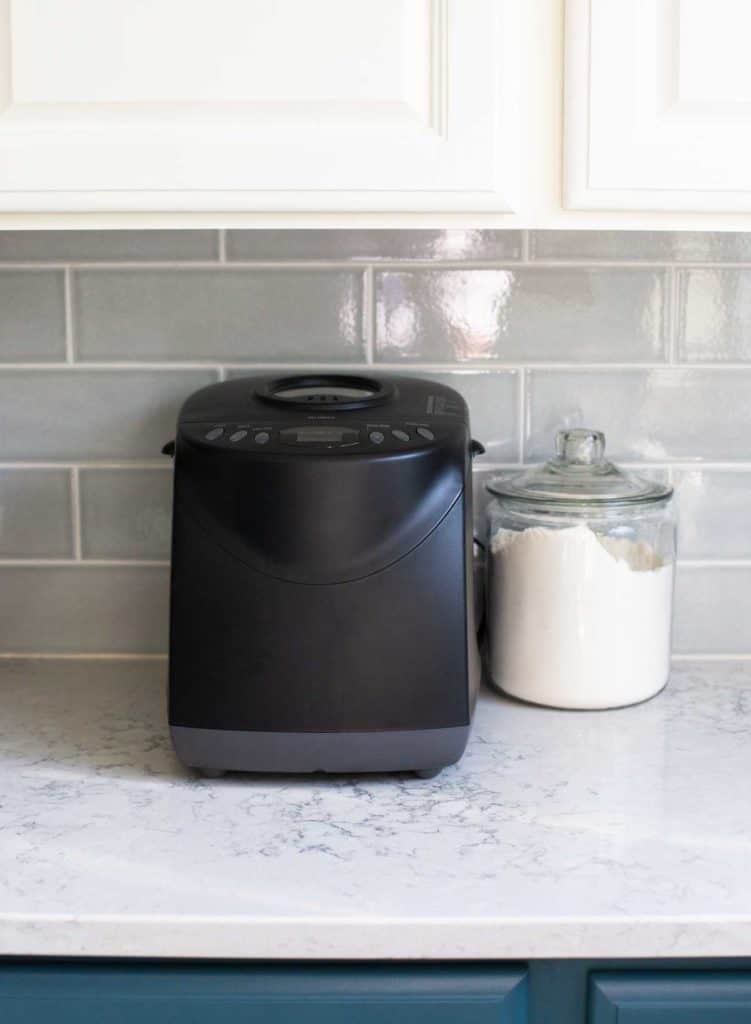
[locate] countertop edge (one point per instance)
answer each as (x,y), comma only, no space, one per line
(222,939)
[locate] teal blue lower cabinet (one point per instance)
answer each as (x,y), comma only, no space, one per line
(64,993)
(538,992)
(670,997)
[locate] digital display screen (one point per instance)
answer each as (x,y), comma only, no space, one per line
(319,435)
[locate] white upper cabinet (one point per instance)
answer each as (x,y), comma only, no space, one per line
(498,113)
(658,105)
(259,105)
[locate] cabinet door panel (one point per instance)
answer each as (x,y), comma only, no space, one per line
(670,997)
(141,994)
(258,105)
(658,105)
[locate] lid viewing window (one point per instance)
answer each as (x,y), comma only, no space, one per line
(336,389)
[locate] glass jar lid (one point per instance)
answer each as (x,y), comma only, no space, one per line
(579,474)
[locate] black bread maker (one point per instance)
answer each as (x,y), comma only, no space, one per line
(322,613)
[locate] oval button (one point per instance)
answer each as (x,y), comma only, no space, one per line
(262,437)
(214,434)
(238,435)
(426,434)
(376,437)
(400,435)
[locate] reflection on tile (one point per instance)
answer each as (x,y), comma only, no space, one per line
(493,403)
(278,316)
(35,514)
(640,245)
(463,244)
(712,610)
(714,310)
(647,415)
(88,609)
(91,414)
(558,315)
(126,513)
(62,246)
(32,324)
(715,512)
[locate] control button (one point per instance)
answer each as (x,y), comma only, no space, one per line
(376,437)
(214,434)
(262,437)
(400,435)
(238,435)
(425,434)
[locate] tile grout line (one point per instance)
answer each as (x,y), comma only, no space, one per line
(75,496)
(80,656)
(524,252)
(222,245)
(672,325)
(83,563)
(459,368)
(368,313)
(70,353)
(522,411)
(357,263)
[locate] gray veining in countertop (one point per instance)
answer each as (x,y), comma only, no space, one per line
(560,834)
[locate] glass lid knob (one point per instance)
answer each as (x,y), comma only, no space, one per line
(580,447)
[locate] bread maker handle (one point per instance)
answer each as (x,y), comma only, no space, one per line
(476,448)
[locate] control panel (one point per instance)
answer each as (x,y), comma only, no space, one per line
(312,437)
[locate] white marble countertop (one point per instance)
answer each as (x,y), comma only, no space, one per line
(560,834)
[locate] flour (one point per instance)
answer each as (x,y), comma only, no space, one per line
(578,620)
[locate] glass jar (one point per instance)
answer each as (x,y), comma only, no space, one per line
(580,563)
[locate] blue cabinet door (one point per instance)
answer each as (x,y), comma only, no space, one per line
(195,994)
(670,997)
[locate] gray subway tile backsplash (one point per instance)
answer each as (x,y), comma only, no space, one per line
(459,244)
(35,513)
(89,609)
(126,513)
(525,314)
(86,246)
(32,316)
(671,246)
(219,315)
(537,333)
(91,414)
(715,512)
(713,314)
(650,415)
(712,610)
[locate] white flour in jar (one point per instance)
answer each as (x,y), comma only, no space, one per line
(578,620)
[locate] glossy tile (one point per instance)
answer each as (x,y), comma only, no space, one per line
(216,315)
(462,244)
(648,415)
(91,414)
(83,246)
(712,610)
(84,609)
(493,400)
(126,513)
(723,246)
(32,324)
(715,512)
(35,514)
(529,315)
(714,308)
